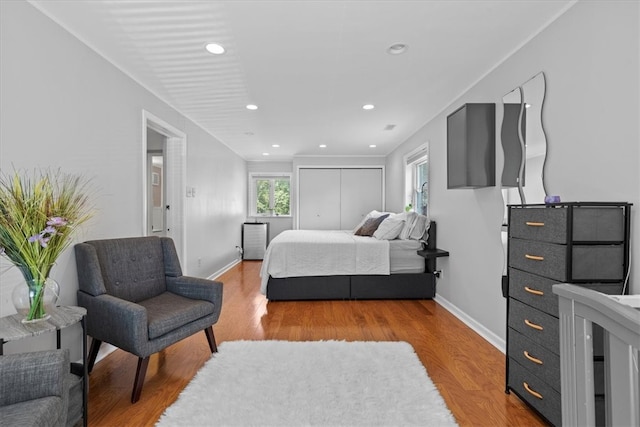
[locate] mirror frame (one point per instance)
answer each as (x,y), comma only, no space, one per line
(523,121)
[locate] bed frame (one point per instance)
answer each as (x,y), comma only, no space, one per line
(393,286)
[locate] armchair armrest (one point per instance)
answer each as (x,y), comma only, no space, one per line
(116,321)
(196,288)
(29,376)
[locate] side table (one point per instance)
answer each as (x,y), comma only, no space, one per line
(430,256)
(12,329)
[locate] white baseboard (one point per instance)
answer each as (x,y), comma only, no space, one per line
(485,333)
(224,269)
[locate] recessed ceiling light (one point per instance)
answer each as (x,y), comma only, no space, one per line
(275,145)
(252,107)
(397,49)
(214,48)
(372,146)
(249,133)
(322,145)
(265,154)
(368,107)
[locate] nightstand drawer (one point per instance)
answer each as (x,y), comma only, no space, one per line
(590,224)
(536,392)
(534,324)
(533,290)
(535,358)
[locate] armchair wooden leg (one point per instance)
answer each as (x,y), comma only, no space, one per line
(93,353)
(139,381)
(212,339)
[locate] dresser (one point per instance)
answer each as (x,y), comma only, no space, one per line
(586,244)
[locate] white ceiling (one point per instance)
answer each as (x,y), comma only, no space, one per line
(308,65)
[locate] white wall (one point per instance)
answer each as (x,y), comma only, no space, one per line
(590,57)
(63,105)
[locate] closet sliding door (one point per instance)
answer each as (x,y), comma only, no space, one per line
(337,198)
(360,193)
(319,199)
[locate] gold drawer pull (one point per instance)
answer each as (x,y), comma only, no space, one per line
(533,392)
(531,358)
(534,257)
(534,224)
(532,325)
(533,291)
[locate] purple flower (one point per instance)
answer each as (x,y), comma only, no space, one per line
(44,241)
(49,230)
(40,239)
(57,221)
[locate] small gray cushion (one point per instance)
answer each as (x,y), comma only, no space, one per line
(169,311)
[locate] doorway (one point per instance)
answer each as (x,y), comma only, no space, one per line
(163,181)
(156,207)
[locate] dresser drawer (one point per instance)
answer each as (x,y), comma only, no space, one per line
(593,263)
(536,359)
(543,223)
(536,392)
(535,325)
(598,262)
(533,290)
(543,259)
(590,224)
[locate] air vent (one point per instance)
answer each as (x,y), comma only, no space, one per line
(389,127)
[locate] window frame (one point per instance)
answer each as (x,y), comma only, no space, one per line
(413,187)
(253,196)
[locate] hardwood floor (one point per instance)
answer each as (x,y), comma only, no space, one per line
(468,371)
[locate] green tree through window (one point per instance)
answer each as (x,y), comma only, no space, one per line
(272,195)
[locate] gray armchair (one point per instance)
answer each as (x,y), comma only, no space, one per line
(138,300)
(33,389)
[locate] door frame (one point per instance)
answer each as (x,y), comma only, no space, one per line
(176,170)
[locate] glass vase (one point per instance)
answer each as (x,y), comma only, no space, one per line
(32,299)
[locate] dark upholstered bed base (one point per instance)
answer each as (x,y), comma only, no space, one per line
(394,286)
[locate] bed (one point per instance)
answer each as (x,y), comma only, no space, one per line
(332,264)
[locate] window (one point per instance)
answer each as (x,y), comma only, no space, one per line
(417,180)
(270,194)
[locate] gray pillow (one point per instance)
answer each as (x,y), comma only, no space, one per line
(370,226)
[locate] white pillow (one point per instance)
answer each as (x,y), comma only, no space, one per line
(389,229)
(420,226)
(408,225)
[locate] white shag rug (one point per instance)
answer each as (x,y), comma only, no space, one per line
(323,383)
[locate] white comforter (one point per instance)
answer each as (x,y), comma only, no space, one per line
(295,253)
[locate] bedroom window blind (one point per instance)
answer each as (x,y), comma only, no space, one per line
(417,179)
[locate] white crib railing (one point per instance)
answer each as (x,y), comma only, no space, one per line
(579,309)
